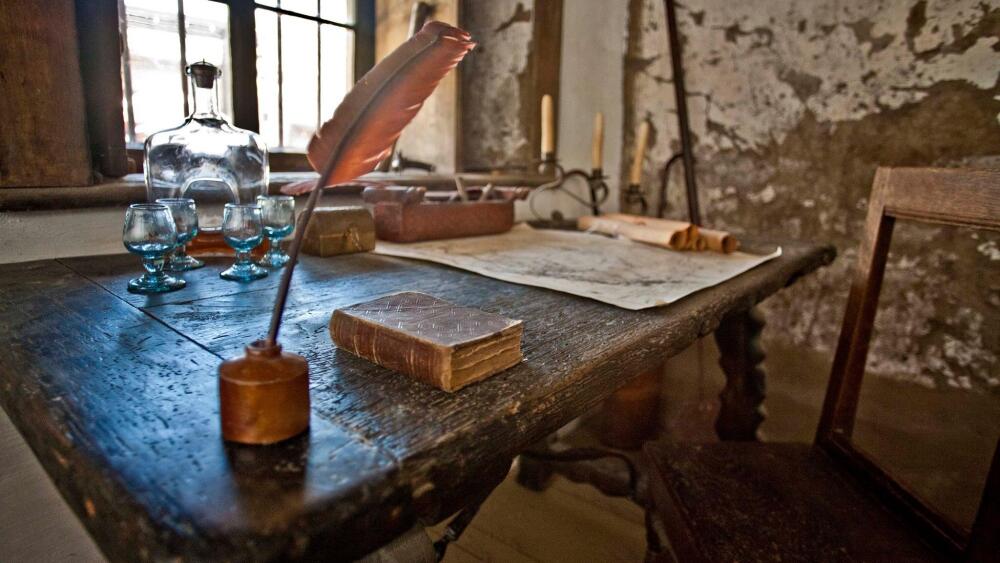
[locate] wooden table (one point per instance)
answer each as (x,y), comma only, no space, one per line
(116,395)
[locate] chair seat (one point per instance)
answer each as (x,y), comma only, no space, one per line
(747,501)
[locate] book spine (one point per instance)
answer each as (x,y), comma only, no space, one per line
(391,349)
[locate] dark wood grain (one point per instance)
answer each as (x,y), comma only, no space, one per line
(576,352)
(793,505)
(157,358)
(123,414)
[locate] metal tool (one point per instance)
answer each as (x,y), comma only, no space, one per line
(680,97)
(596,184)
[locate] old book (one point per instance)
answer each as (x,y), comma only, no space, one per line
(430,339)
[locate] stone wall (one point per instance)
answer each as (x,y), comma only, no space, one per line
(496,90)
(793,105)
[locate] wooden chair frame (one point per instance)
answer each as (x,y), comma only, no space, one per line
(950,196)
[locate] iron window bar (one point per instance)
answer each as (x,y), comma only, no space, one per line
(281,85)
(283,12)
(182,41)
(320,22)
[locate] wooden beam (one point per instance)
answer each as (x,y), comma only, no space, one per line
(43,141)
(100,67)
(364,37)
(243,49)
(546,62)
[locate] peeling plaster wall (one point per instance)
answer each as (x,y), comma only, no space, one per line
(793,105)
(494,77)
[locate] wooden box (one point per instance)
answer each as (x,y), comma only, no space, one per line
(397,222)
(339,230)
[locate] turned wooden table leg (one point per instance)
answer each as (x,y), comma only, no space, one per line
(741,412)
(627,419)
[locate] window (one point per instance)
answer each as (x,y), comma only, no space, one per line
(286,63)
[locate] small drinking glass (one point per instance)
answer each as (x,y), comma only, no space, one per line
(242,229)
(277,212)
(186,220)
(150,232)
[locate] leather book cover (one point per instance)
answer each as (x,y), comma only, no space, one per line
(430,339)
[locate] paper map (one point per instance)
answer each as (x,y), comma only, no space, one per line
(617,271)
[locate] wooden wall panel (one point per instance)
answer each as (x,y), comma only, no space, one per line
(43,137)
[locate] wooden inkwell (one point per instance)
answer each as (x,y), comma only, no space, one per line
(264,395)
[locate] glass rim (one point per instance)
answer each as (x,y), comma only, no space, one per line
(276,197)
(166,200)
(148,206)
(242,206)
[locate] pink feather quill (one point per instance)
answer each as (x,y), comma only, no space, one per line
(369,120)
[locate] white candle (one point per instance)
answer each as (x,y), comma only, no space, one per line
(597,146)
(635,175)
(548,124)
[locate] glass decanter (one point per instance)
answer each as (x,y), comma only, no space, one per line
(208,160)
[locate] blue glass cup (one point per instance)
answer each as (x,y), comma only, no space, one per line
(277,213)
(186,219)
(150,232)
(243,230)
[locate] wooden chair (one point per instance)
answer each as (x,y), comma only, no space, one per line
(829,501)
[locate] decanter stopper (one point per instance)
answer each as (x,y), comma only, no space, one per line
(203,74)
(264,395)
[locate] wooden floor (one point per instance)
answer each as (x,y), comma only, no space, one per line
(567,522)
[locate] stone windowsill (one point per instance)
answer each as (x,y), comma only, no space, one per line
(131,189)
(114,193)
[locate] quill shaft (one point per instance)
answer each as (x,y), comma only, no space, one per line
(293,258)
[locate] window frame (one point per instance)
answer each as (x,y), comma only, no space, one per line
(243,54)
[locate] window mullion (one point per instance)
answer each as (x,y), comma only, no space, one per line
(319,70)
(364,37)
(281,97)
(182,37)
(243,51)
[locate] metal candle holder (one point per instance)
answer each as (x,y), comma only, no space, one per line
(635,196)
(596,184)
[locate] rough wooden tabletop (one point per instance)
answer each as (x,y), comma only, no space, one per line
(116,394)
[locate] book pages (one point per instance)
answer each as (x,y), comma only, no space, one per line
(623,273)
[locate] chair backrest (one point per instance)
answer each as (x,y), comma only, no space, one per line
(936,195)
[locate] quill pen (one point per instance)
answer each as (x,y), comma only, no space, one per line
(368,121)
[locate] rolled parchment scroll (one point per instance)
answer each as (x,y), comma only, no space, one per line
(719,241)
(690,231)
(673,239)
(675,235)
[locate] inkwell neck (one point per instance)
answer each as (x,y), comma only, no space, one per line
(263,349)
